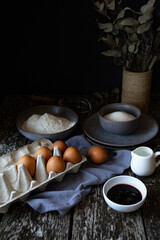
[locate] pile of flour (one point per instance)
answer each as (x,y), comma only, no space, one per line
(46,124)
(119,116)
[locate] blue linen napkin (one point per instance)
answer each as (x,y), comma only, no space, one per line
(62,196)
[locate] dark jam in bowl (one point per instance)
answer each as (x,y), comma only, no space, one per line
(124,194)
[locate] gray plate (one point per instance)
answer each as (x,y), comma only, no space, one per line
(52,109)
(147,129)
(108,146)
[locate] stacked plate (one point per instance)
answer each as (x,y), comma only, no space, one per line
(95,134)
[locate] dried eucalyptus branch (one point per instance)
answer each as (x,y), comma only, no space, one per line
(130,36)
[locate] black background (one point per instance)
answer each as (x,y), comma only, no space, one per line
(57,50)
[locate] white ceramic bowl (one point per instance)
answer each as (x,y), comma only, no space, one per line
(124,179)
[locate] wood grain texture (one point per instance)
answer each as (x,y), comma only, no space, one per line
(22,222)
(151,211)
(94,219)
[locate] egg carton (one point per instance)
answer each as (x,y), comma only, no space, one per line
(16,186)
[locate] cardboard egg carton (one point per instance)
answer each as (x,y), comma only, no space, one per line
(16,186)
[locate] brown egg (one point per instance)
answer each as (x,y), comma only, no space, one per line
(97,154)
(61,144)
(72,155)
(45,151)
(56,164)
(29,162)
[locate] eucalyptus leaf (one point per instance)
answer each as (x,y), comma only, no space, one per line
(144,18)
(99,5)
(147,7)
(131,48)
(109,28)
(105,26)
(117,26)
(144,27)
(111,5)
(120,15)
(133,37)
(129,30)
(128,22)
(119,2)
(112,53)
(117,41)
(130,9)
(108,39)
(149,11)
(123,11)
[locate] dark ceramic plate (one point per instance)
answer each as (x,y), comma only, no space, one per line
(108,146)
(147,129)
(52,109)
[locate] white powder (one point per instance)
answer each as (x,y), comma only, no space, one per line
(46,123)
(119,116)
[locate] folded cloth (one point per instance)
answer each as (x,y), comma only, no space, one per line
(62,196)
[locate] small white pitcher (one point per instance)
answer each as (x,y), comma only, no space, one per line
(143,161)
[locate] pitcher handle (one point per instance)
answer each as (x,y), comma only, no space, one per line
(156,155)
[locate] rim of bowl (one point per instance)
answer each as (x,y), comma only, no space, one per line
(120,104)
(125,177)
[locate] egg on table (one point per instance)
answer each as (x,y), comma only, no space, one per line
(97,154)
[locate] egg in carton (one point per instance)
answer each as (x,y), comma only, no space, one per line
(16,186)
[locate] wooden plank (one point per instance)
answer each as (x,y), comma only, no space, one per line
(151,211)
(93,219)
(22,222)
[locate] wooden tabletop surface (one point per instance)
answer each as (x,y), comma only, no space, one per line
(92,218)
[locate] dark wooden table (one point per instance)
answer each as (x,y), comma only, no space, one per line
(91,219)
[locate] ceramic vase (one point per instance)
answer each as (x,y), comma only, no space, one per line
(136,89)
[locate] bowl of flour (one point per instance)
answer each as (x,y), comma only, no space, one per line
(49,121)
(119,118)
